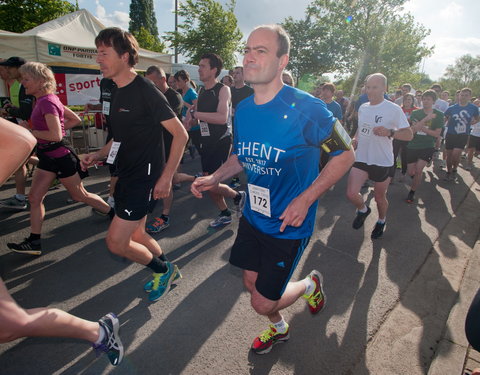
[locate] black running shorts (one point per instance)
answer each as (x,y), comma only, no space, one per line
(376,173)
(63,167)
(213,155)
(474,142)
(134,199)
(455,141)
(414,155)
(274,259)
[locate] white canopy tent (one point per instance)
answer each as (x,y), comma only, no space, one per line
(68,41)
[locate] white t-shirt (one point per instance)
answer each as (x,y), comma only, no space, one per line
(441,105)
(373,149)
(475,130)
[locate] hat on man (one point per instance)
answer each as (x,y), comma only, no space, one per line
(13,61)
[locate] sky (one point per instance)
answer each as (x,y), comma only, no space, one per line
(453,23)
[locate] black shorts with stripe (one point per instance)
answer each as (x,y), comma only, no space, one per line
(274,259)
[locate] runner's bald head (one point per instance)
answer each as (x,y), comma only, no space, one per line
(283,40)
(378,78)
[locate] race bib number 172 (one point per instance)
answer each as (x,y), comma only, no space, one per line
(259,199)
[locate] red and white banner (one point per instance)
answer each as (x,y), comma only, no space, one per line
(78,89)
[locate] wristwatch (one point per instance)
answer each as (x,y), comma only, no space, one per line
(192,112)
(392,133)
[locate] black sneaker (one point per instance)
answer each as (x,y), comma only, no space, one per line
(411,197)
(26,247)
(360,218)
(111,344)
(14,203)
(377,232)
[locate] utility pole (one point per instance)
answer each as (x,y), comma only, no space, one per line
(176,29)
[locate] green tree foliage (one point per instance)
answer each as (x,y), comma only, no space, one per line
(142,14)
(22,15)
(464,72)
(419,81)
(356,37)
(148,41)
(315,49)
(207,28)
(143,25)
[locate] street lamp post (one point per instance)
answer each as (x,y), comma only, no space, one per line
(176,29)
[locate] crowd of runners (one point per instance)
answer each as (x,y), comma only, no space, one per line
(289,146)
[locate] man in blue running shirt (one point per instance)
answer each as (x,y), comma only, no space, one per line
(459,118)
(279,132)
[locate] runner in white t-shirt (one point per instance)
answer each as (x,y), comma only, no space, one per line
(379,122)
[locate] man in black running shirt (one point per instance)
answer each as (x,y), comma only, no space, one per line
(138,113)
(213,138)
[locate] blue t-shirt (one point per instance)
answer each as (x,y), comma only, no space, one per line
(460,118)
(335,108)
(189,97)
(278,144)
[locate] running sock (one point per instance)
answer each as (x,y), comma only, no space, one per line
(111,213)
(33,237)
(101,336)
(363,210)
(20,197)
(162,257)
(281,326)
(309,286)
(381,221)
(225,212)
(157,265)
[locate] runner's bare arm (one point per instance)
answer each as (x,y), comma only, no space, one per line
(404,134)
(16,144)
(71,119)
(180,138)
(93,157)
(228,169)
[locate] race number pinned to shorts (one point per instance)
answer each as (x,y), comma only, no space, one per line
(259,199)
(204,130)
(366,130)
(113,152)
(106,108)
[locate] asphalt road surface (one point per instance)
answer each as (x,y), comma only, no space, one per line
(205,324)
